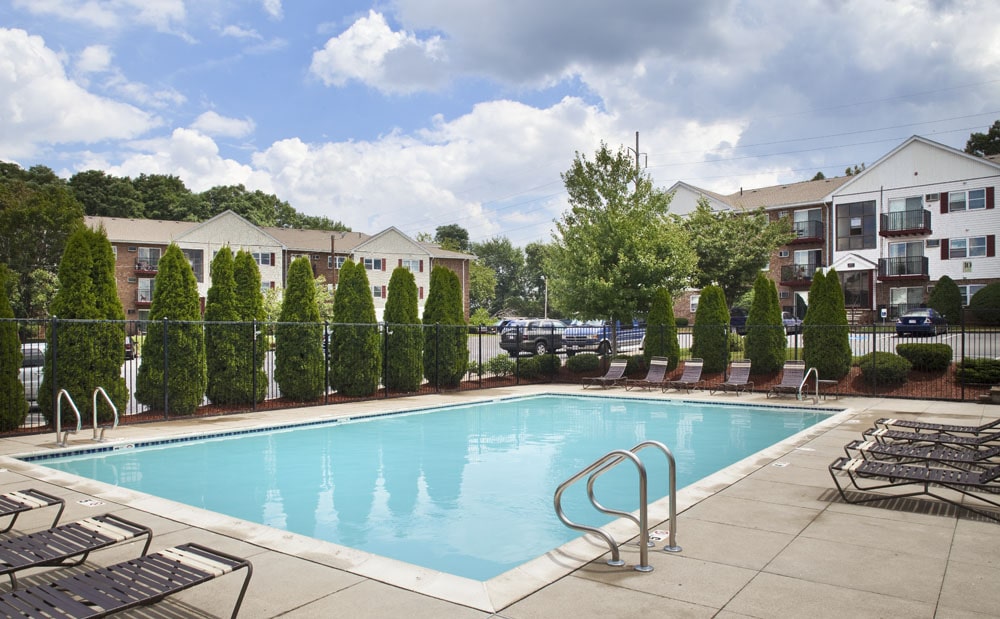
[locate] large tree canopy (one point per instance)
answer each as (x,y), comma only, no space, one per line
(733,247)
(507,263)
(984,144)
(616,245)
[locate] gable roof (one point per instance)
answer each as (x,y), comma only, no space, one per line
(787,195)
(229,220)
(314,241)
(148,231)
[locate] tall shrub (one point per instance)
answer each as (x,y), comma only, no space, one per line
(946,298)
(109,334)
(711,330)
(765,340)
(298,354)
(985,305)
(355,353)
(172,376)
(661,330)
(13,407)
(252,351)
(222,337)
(404,344)
(826,342)
(70,353)
(446,353)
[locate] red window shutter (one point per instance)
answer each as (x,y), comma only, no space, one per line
(272,260)
(991,245)
(421,292)
(400,262)
(272,285)
(383,263)
(421,266)
(944,249)
(989,197)
(944,202)
(383,292)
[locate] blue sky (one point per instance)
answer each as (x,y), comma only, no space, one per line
(422,113)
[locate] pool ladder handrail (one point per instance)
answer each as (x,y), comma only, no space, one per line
(605,463)
(65,436)
(805,379)
(113,408)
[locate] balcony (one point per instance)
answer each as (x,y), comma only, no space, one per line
(905,223)
(810,231)
(799,275)
(144,298)
(910,268)
(147,267)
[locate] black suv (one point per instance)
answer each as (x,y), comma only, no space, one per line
(535,335)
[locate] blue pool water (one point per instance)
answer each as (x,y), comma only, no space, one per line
(465,490)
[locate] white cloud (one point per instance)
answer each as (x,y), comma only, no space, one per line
(212,123)
(163,15)
(40,106)
(94,59)
(273,8)
(238,32)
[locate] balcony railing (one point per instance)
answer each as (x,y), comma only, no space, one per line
(902,223)
(151,265)
(144,298)
(799,274)
(810,231)
(910,267)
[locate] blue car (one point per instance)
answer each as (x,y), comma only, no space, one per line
(925,321)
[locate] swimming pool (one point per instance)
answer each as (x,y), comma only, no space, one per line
(465,490)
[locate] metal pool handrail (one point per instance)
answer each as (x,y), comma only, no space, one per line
(113,408)
(805,378)
(59,399)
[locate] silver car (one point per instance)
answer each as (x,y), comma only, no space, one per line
(32,360)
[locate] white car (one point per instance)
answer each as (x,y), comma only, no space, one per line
(32,360)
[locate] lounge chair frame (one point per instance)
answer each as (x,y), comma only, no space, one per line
(654,376)
(19,501)
(739,378)
(943,428)
(690,378)
(908,453)
(793,375)
(68,544)
(981,441)
(614,376)
(137,582)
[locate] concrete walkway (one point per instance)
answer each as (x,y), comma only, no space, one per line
(768,537)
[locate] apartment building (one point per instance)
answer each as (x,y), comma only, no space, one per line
(139,244)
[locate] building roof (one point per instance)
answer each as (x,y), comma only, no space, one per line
(786,195)
(317,240)
(154,231)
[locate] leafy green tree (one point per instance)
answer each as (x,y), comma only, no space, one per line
(222,334)
(446,352)
(404,342)
(661,330)
(946,298)
(173,374)
(733,246)
(252,351)
(826,342)
(985,304)
(109,334)
(166,197)
(617,244)
(710,332)
(13,407)
(355,351)
(985,144)
(298,354)
(482,286)
(507,263)
(453,237)
(105,195)
(324,298)
(765,339)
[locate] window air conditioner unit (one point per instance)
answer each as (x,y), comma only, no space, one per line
(932,197)
(933,243)
(782,253)
(784,294)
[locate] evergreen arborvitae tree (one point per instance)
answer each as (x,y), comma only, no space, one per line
(222,336)
(298,352)
(661,330)
(826,342)
(252,349)
(13,407)
(355,350)
(446,352)
(172,375)
(711,330)
(404,344)
(946,298)
(70,358)
(815,321)
(838,362)
(108,335)
(765,340)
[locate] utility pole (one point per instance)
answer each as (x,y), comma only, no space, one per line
(637,153)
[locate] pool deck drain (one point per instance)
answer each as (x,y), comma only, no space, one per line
(763,538)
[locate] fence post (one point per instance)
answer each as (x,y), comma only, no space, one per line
(961,324)
(479,359)
(253,365)
(874,357)
(166,372)
(437,357)
(55,368)
(385,358)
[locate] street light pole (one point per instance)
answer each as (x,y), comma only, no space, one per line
(546,311)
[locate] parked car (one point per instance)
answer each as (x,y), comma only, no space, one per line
(792,324)
(534,335)
(738,320)
(596,336)
(925,321)
(129,348)
(32,360)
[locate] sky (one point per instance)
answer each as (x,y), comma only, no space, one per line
(424,113)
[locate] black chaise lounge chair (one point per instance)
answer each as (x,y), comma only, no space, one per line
(906,453)
(944,428)
(654,377)
(883,435)
(690,378)
(614,376)
(68,544)
(20,501)
(792,376)
(137,582)
(739,378)
(972,484)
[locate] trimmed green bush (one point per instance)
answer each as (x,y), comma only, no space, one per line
(826,342)
(528,367)
(298,348)
(549,364)
(355,342)
(583,362)
(982,371)
(404,370)
(109,334)
(711,330)
(682,321)
(661,330)
(765,340)
(446,335)
(501,365)
(222,334)
(926,357)
(985,305)
(946,298)
(13,407)
(884,368)
(255,341)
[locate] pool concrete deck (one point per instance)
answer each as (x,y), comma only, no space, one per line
(768,537)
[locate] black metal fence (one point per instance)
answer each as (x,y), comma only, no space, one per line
(494,359)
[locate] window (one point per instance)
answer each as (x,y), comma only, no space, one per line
(694,302)
(373,264)
(263,258)
(968,291)
(972,200)
(905,204)
(412,265)
(338,260)
(903,300)
(145,290)
(856,226)
(808,223)
(265,286)
(972,247)
(857,288)
(149,258)
(377,292)
(195,259)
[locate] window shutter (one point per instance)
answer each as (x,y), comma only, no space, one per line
(421,266)
(272,285)
(400,262)
(944,248)
(989,197)
(383,263)
(944,202)
(421,292)
(991,245)
(383,292)
(273,262)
